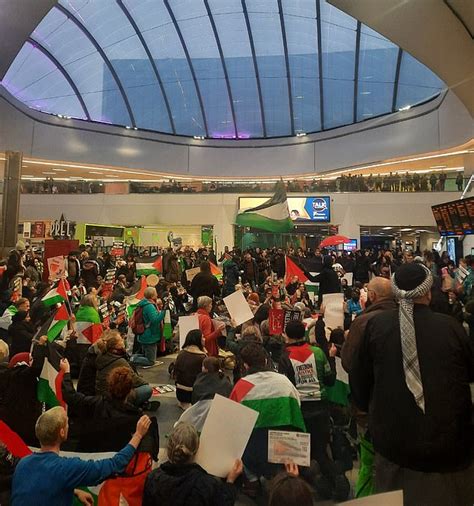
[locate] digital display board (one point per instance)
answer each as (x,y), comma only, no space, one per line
(455,218)
(302,209)
(351,245)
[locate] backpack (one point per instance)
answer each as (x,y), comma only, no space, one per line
(137,323)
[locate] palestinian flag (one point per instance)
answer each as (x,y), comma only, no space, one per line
(56,295)
(215,271)
(88,325)
(167,327)
(273,396)
(149,265)
(50,380)
(339,392)
(55,324)
(13,442)
(273,215)
(291,270)
(138,292)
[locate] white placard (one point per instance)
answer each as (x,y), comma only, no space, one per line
(191,273)
(349,276)
(185,324)
(234,424)
(285,446)
(238,307)
(333,310)
(387,499)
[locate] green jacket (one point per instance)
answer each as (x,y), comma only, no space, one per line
(152,319)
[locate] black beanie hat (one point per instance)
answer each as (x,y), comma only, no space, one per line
(409,276)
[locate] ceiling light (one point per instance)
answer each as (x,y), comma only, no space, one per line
(59,170)
(406,108)
(96,172)
(387,228)
(405,229)
(365,92)
(300,134)
(128,127)
(199,137)
(438,166)
(53,173)
(27,175)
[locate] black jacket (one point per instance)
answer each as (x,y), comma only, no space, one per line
(186,485)
(328,282)
(107,362)
(204,284)
(207,385)
(87,375)
(19,406)
(20,334)
(441,440)
(99,424)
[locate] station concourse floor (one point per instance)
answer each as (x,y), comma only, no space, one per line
(169,412)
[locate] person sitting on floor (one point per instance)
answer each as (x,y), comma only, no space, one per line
(181,482)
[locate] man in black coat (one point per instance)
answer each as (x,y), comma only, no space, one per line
(411,372)
(328,279)
(204,283)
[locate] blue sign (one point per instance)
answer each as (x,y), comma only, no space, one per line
(318,208)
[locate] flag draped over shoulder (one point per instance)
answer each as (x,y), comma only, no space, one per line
(273,215)
(149,265)
(50,380)
(273,396)
(88,325)
(55,295)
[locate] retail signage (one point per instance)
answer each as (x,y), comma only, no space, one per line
(62,228)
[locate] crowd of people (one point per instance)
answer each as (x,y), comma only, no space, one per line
(387,182)
(406,415)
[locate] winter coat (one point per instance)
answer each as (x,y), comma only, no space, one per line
(107,362)
(187,366)
(207,385)
(19,405)
(440,439)
(183,485)
(231,276)
(204,284)
(88,373)
(210,334)
(100,424)
(20,335)
(152,319)
(328,282)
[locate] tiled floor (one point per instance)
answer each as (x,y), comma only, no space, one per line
(169,412)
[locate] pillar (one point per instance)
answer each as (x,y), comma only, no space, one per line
(349,227)
(11,199)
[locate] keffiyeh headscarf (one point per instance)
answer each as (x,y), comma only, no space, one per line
(411,365)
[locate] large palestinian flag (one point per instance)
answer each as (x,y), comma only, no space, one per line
(149,265)
(273,396)
(50,380)
(339,392)
(138,292)
(273,215)
(55,324)
(292,270)
(55,295)
(88,325)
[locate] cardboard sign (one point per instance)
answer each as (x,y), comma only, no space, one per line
(186,324)
(333,310)
(286,446)
(191,273)
(238,307)
(234,424)
(56,267)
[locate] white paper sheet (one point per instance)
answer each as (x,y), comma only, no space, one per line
(238,307)
(285,446)
(191,273)
(387,499)
(349,276)
(333,310)
(230,422)
(186,323)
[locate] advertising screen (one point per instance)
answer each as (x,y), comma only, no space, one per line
(455,218)
(302,209)
(351,245)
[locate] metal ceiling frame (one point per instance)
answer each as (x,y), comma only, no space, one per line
(131,20)
(397,78)
(99,49)
(63,71)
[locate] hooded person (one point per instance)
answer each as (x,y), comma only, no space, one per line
(423,362)
(328,279)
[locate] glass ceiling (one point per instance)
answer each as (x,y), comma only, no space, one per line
(214,68)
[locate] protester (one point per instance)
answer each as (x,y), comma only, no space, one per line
(210,330)
(188,366)
(423,362)
(45,478)
(288,488)
(20,333)
(204,284)
(210,381)
(181,482)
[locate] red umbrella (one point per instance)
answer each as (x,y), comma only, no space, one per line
(333,240)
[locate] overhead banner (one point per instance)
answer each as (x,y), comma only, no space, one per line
(302,209)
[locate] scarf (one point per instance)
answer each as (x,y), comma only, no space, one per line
(411,365)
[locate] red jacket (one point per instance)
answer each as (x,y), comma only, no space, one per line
(210,334)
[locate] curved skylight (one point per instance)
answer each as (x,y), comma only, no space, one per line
(214,68)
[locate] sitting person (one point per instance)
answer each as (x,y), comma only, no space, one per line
(211,381)
(188,365)
(113,355)
(19,405)
(181,482)
(44,478)
(93,416)
(20,333)
(288,488)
